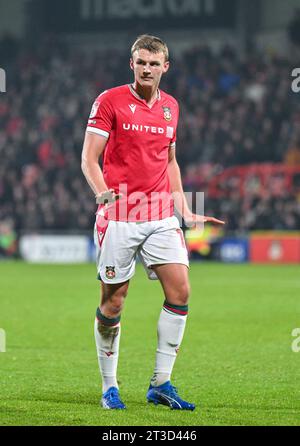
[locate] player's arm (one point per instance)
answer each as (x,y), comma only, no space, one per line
(176,186)
(180,201)
(93,147)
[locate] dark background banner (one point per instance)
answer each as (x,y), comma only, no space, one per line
(99,15)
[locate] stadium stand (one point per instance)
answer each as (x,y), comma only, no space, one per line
(235,111)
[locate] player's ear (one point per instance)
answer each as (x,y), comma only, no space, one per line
(131,63)
(166,66)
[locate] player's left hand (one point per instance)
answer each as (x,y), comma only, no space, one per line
(107,197)
(194,219)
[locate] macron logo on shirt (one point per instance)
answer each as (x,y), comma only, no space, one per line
(132,107)
(149,129)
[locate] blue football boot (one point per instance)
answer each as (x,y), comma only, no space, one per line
(166,394)
(111,399)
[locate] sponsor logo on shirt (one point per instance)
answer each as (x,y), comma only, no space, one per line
(149,129)
(170,132)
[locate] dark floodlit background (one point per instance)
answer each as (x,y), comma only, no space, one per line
(238,137)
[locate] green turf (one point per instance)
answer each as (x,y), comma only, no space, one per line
(235,363)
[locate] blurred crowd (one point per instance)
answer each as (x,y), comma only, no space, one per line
(235,110)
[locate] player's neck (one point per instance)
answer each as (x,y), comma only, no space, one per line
(148,94)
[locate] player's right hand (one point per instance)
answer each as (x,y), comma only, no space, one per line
(108,196)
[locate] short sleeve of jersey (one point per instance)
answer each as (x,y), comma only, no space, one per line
(173,140)
(101,118)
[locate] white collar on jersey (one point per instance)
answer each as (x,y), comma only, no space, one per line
(134,92)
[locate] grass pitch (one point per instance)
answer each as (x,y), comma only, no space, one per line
(236,362)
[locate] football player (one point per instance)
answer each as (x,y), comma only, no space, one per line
(134,128)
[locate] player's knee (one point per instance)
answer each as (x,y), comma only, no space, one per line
(114,303)
(117,299)
(185,294)
(116,306)
(182,294)
(113,296)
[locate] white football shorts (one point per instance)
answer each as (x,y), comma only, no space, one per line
(118,244)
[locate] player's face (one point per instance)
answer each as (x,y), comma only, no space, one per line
(148,67)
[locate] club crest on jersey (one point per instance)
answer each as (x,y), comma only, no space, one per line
(167,113)
(110,272)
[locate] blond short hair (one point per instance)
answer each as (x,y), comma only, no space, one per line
(150,43)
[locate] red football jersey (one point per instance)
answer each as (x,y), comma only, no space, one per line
(135,158)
